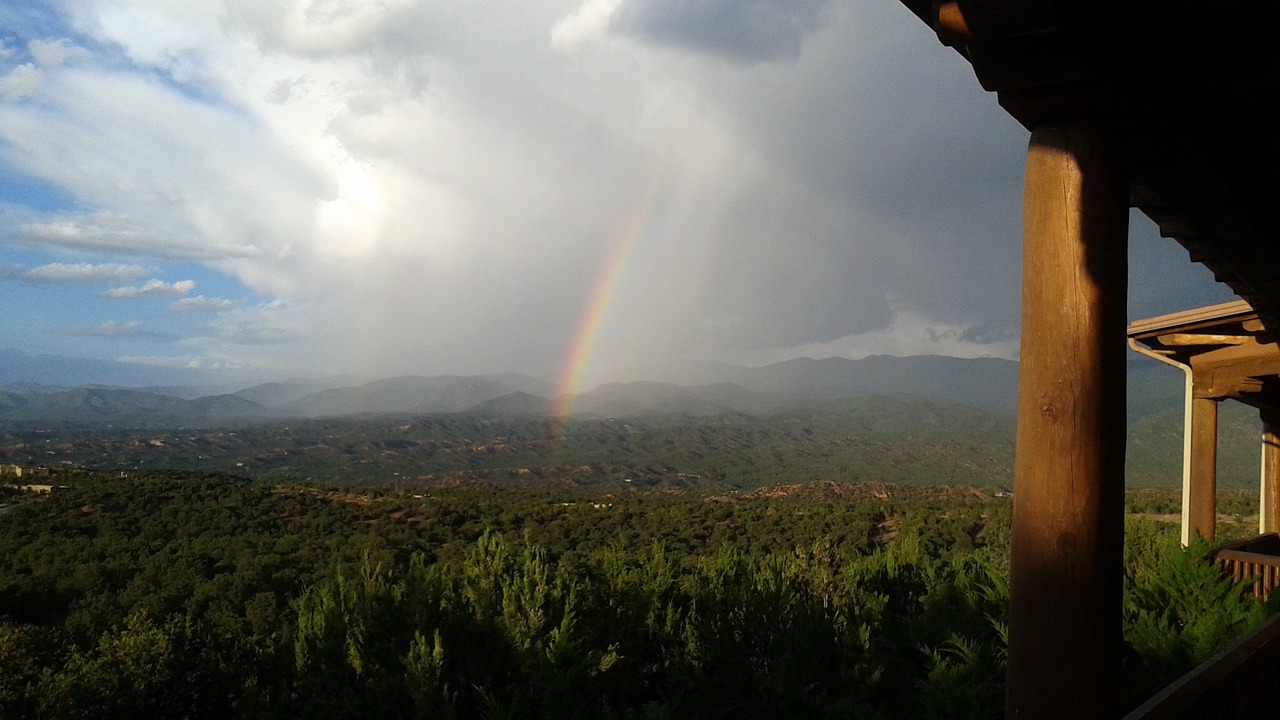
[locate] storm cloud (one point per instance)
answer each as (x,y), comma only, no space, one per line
(422,187)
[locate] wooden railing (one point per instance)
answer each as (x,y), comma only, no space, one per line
(1256,557)
(1235,685)
(1238,684)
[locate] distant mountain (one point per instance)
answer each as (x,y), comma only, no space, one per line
(226,406)
(191,392)
(275,394)
(809,420)
(1153,455)
(87,404)
(643,398)
(1153,388)
(412,394)
(514,405)
(988,383)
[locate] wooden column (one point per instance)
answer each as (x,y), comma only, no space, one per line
(1068,514)
(1200,497)
(1270,481)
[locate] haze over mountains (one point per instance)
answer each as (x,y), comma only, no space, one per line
(988,384)
(710,398)
(27,392)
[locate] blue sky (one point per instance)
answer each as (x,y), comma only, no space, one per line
(381,187)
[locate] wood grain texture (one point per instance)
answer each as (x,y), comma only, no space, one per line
(1065,584)
(1201,512)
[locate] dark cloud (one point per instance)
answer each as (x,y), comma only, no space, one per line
(1161,277)
(787,274)
(737,30)
(911,179)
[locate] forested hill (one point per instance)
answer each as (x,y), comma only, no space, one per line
(887,439)
(875,438)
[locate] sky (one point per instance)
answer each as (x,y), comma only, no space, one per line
(582,190)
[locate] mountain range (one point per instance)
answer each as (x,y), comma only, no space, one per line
(987,384)
(762,402)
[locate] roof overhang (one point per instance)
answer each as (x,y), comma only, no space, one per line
(1191,89)
(1228,347)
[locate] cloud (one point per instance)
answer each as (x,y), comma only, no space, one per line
(53,53)
(25,80)
(909,333)
(447,195)
(200,303)
(192,362)
(83,273)
(589,21)
(391,186)
(318,29)
(246,333)
(106,232)
(132,329)
(21,82)
(152,288)
(737,30)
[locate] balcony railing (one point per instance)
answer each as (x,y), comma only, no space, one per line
(1238,684)
(1235,685)
(1256,557)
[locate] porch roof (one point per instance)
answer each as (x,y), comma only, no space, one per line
(1191,88)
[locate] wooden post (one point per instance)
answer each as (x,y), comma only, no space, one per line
(1200,498)
(1068,515)
(1270,481)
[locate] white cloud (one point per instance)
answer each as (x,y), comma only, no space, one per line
(106,232)
(433,187)
(174,178)
(192,362)
(200,303)
(21,82)
(152,288)
(53,53)
(588,22)
(909,333)
(84,273)
(246,333)
(110,329)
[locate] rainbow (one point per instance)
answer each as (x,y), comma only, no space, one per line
(606,286)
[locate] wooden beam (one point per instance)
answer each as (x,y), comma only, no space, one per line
(1194,319)
(1200,498)
(952,28)
(1221,384)
(1066,564)
(1255,358)
(1174,339)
